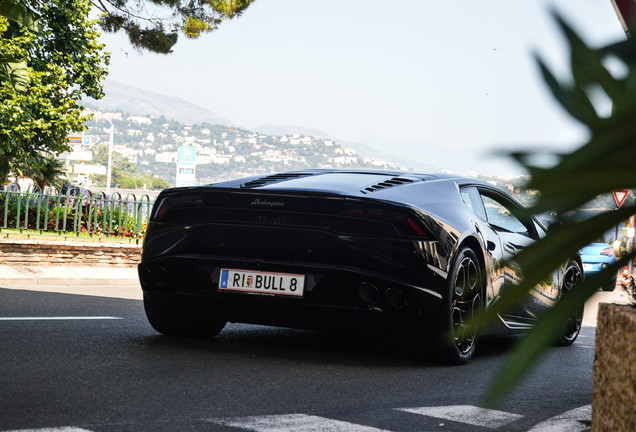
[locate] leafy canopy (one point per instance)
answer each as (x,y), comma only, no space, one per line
(17,12)
(154,25)
(16,70)
(125,174)
(64,62)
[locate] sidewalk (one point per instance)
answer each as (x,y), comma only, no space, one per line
(66,275)
(118,282)
(619,296)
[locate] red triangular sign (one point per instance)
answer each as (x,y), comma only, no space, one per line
(620,196)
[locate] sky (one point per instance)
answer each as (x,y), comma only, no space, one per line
(449,84)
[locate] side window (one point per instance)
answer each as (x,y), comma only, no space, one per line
(541,230)
(471,198)
(501,217)
(467,201)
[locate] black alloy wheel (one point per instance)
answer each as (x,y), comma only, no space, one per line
(464,302)
(572,323)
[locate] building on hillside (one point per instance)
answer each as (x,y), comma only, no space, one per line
(166,157)
(139,119)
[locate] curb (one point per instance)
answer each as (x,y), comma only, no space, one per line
(67,275)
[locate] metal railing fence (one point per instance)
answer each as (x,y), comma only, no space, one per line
(76,211)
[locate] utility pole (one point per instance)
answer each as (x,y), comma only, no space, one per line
(109,169)
(110,155)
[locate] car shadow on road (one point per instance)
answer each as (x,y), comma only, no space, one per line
(317,346)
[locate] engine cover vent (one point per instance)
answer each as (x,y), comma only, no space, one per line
(395,181)
(275,178)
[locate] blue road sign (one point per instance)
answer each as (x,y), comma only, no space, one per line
(186,156)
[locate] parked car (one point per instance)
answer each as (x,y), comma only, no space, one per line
(596,257)
(411,255)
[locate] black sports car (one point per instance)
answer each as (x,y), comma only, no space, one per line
(413,254)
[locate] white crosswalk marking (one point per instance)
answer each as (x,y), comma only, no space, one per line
(576,420)
(467,414)
(293,422)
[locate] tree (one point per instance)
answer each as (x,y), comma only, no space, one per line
(605,163)
(64,62)
(17,12)
(49,172)
(125,174)
(16,70)
(155,24)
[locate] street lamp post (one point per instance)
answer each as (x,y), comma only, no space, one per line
(110,149)
(110,155)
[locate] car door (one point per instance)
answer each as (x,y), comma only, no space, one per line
(494,252)
(516,232)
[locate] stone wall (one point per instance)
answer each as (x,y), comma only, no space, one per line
(614,394)
(43,252)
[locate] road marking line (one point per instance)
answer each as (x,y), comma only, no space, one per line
(57,429)
(467,414)
(58,318)
(293,422)
(576,420)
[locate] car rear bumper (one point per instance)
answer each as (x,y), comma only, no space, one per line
(334,297)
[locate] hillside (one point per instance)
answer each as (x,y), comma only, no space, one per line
(122,98)
(134,101)
(223,152)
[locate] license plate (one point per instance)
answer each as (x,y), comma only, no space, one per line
(587,267)
(256,282)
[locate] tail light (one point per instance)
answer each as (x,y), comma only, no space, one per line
(406,225)
(166,204)
(417,227)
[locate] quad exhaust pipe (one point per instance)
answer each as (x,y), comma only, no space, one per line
(374,296)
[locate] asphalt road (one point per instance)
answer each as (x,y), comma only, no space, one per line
(72,362)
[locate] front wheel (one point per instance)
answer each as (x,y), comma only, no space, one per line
(463,302)
(571,325)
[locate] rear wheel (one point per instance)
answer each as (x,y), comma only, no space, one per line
(463,302)
(572,323)
(174,322)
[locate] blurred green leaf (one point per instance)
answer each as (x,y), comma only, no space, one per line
(17,72)
(546,332)
(575,102)
(605,163)
(17,12)
(541,258)
(587,65)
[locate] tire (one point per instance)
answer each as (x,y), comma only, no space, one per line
(209,327)
(173,322)
(610,286)
(571,325)
(464,300)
